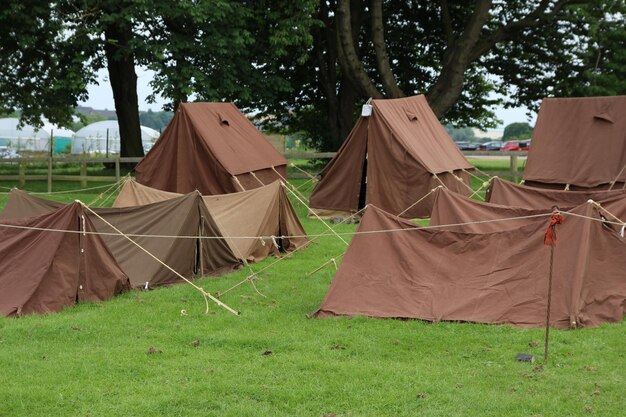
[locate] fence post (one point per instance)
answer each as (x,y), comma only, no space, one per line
(117,169)
(49,173)
(83,174)
(514,167)
(21,172)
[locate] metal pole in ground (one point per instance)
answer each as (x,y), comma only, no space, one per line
(547,342)
(550,239)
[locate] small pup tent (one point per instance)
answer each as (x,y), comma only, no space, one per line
(51,261)
(212,148)
(166,229)
(491,277)
(264,211)
(578,143)
(392,159)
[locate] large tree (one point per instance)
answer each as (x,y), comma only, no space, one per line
(55,49)
(462,55)
(211,50)
(235,50)
(309,63)
(40,71)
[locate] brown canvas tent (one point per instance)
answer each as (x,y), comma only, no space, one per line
(265,211)
(212,148)
(578,141)
(492,277)
(392,159)
(167,229)
(510,194)
(48,263)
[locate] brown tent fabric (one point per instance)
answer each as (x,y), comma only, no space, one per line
(265,211)
(510,194)
(488,277)
(171,220)
(43,269)
(578,141)
(471,216)
(205,147)
(392,157)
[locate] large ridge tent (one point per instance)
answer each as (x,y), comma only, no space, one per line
(166,229)
(212,148)
(265,211)
(579,143)
(491,277)
(510,194)
(51,261)
(392,159)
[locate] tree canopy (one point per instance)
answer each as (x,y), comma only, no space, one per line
(307,65)
(520,130)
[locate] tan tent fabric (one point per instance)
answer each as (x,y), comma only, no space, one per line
(578,141)
(509,194)
(45,271)
(471,216)
(485,277)
(204,147)
(172,219)
(400,146)
(265,211)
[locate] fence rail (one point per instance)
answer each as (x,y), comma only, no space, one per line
(22,177)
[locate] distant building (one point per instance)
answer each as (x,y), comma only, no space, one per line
(491,134)
(109,114)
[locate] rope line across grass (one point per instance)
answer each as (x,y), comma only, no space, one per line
(355,233)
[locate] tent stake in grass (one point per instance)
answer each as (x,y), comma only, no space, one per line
(330,261)
(550,239)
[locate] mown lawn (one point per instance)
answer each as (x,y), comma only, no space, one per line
(157,354)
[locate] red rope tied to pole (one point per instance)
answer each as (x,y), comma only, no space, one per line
(550,237)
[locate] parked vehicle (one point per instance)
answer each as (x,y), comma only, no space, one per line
(490,146)
(512,145)
(466,146)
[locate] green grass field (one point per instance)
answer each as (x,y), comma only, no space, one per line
(157,354)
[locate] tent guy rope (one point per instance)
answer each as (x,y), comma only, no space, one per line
(334,233)
(295,190)
(419,201)
(312,177)
(108,193)
(485,184)
(60,192)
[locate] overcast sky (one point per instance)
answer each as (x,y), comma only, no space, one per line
(101,97)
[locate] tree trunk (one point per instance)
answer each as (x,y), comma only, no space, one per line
(178,26)
(339,92)
(348,96)
(121,66)
(457,58)
(382,56)
(350,60)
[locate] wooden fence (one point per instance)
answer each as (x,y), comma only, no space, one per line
(22,177)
